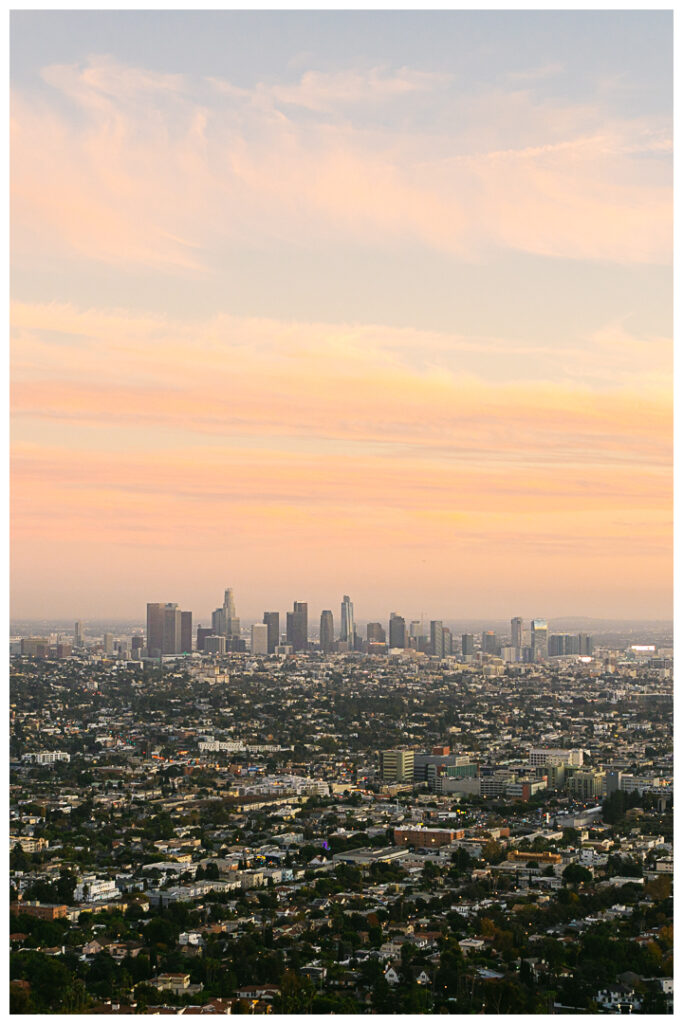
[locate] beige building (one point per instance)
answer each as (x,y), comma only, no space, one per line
(397,765)
(587,785)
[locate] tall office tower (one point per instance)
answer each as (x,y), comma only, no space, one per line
(229,603)
(516,625)
(571,644)
(78,634)
(416,629)
(297,626)
(259,638)
(224,621)
(172,629)
(447,642)
(108,643)
(539,639)
(136,645)
(202,633)
(376,633)
(397,630)
(348,627)
(585,644)
(231,621)
(218,627)
(155,630)
(489,642)
(186,632)
(272,621)
(326,631)
(467,643)
(557,645)
(436,637)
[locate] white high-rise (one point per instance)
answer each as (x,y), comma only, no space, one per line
(348,627)
(259,638)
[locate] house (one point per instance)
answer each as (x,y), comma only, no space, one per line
(619,998)
(214,1006)
(92,948)
(258,992)
(176,983)
(391,975)
(423,978)
(315,972)
(471,945)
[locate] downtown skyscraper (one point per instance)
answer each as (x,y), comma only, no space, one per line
(516,632)
(169,630)
(224,621)
(272,621)
(326,631)
(348,626)
(397,630)
(297,626)
(539,639)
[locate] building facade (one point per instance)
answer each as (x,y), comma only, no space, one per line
(297,626)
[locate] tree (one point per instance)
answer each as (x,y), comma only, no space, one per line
(296,994)
(18,859)
(575,874)
(493,852)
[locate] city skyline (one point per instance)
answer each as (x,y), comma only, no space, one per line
(429,356)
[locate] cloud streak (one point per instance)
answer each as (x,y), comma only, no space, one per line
(125,165)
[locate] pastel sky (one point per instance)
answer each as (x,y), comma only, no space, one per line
(314,303)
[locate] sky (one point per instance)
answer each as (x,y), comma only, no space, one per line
(314,303)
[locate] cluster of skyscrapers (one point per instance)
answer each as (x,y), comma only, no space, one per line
(169,631)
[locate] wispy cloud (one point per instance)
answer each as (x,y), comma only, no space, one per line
(123,164)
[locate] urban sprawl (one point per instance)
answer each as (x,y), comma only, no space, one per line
(403,818)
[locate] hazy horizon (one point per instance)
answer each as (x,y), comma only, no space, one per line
(382,298)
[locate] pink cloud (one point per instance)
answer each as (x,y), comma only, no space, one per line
(160,170)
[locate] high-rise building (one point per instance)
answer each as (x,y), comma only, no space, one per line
(224,621)
(78,634)
(218,627)
(397,765)
(585,644)
(155,630)
(436,637)
(297,626)
(164,630)
(214,644)
(397,630)
(326,631)
(561,644)
(231,620)
(186,632)
(416,629)
(539,639)
(259,638)
(108,643)
(202,633)
(348,627)
(489,642)
(467,644)
(136,645)
(272,621)
(516,629)
(172,629)
(376,633)
(447,642)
